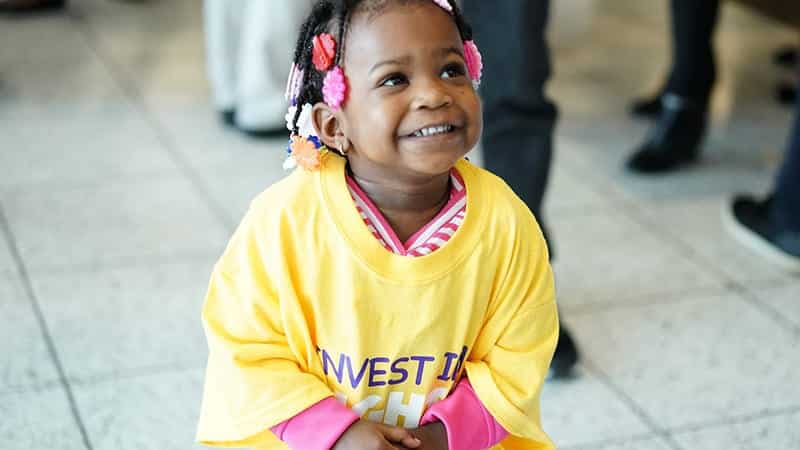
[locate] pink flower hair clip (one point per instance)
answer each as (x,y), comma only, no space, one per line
(445,5)
(474,60)
(323,56)
(334,88)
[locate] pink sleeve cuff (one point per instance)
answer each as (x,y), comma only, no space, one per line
(468,423)
(318,427)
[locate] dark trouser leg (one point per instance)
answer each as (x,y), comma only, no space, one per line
(677,136)
(786,200)
(693,64)
(518,118)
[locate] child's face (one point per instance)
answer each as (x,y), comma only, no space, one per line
(406,72)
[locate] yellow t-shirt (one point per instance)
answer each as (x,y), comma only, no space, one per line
(305,304)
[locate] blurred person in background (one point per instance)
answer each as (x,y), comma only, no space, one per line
(248,55)
(681,107)
(518,118)
(788,58)
(771,226)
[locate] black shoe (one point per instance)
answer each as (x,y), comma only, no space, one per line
(646,108)
(786,57)
(30,6)
(675,139)
(228,117)
(786,94)
(565,357)
(749,221)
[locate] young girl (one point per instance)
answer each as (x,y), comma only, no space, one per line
(387,294)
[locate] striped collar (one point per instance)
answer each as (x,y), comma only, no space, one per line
(427,239)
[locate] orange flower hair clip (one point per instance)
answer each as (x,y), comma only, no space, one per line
(306,152)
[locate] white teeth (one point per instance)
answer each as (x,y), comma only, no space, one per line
(430,131)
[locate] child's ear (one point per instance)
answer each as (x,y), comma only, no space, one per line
(329,127)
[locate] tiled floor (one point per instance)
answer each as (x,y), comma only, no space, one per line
(118,189)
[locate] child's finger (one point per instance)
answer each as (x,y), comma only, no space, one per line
(411,442)
(400,435)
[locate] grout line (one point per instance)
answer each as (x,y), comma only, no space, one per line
(5,228)
(750,297)
(93,380)
(743,419)
(653,299)
(131,90)
(634,212)
(135,373)
(41,386)
(631,403)
(125,263)
(613,441)
(66,184)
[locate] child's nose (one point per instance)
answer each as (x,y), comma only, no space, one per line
(431,94)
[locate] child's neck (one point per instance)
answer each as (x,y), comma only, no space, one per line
(408,206)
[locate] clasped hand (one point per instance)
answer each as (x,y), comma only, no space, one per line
(364,435)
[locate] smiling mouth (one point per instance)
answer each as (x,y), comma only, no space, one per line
(433,130)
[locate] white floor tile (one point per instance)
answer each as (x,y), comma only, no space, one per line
(93,225)
(698,360)
(234,186)
(38,420)
(201,138)
(110,143)
(770,433)
(7,263)
(633,444)
(130,320)
(715,179)
(158,411)
(570,420)
(698,224)
(570,193)
(59,81)
(784,298)
(605,258)
(25,362)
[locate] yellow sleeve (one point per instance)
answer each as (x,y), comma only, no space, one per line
(512,354)
(253,379)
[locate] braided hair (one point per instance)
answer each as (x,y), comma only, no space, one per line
(333,17)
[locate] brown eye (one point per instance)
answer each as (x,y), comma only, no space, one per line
(394,80)
(454,70)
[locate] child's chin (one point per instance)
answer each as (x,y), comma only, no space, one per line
(439,164)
